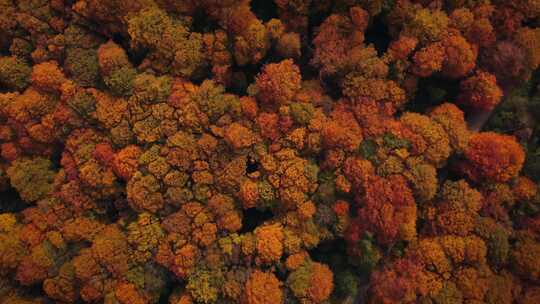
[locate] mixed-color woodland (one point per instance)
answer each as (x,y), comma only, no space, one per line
(269,151)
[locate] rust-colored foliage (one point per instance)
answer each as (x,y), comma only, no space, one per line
(278,82)
(493,157)
(480,92)
(262,288)
(269,152)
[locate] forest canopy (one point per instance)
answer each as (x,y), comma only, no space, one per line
(269,151)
